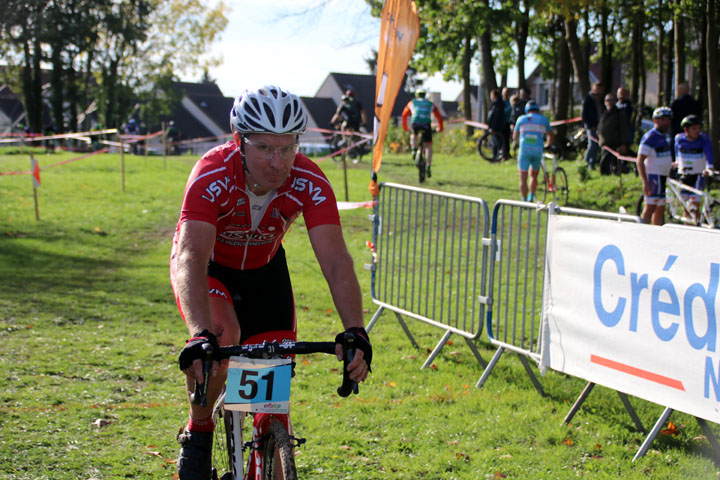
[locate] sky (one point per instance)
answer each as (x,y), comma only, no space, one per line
(264,43)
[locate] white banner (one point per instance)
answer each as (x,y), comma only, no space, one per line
(634,308)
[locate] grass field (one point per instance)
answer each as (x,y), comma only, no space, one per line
(89,336)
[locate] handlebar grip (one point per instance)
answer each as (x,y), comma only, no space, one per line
(348,385)
(199,397)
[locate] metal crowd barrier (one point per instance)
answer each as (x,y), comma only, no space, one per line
(517,276)
(431,257)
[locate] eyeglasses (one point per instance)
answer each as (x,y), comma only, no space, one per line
(286,152)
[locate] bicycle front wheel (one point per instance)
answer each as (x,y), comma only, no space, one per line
(222,452)
(562,191)
(278,454)
(420,163)
(490,147)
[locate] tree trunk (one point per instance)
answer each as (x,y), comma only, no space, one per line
(712,78)
(703,76)
(578,62)
(467,106)
(521,35)
(660,58)
(679,39)
(606,75)
(56,90)
(636,55)
(488,68)
(668,94)
(564,72)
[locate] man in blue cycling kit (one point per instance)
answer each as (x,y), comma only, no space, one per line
(531,129)
(654,161)
(694,155)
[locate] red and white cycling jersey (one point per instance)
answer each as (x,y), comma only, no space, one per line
(216,193)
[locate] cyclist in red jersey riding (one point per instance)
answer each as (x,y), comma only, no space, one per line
(228,267)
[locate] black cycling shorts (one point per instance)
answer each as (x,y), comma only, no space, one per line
(262,297)
(425,129)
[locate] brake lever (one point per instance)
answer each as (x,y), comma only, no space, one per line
(348,385)
(199,397)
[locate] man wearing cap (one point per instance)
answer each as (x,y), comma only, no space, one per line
(530,130)
(654,161)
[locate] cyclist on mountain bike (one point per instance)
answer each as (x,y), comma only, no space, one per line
(694,155)
(228,267)
(420,109)
(654,161)
(349,114)
(530,130)
(349,117)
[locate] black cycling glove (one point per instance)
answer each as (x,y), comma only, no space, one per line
(193,349)
(360,340)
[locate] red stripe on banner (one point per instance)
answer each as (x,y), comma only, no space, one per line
(637,372)
(563,122)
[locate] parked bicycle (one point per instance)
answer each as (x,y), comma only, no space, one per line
(258,383)
(490,146)
(680,209)
(574,142)
(555,182)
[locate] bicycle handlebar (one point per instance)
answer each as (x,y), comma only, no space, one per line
(277,349)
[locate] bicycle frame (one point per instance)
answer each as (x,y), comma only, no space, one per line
(261,421)
(248,396)
(674,189)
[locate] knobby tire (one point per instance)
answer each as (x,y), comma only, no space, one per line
(222,443)
(485,147)
(420,162)
(278,454)
(562,190)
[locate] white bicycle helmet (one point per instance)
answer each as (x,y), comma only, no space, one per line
(269,109)
(662,112)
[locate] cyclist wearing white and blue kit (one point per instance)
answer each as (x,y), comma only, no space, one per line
(654,161)
(531,130)
(693,153)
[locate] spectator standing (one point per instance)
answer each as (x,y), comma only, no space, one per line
(518,110)
(654,161)
(132,129)
(625,106)
(592,110)
(496,117)
(683,105)
(613,133)
(508,116)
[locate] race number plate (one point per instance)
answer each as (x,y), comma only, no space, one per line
(258,385)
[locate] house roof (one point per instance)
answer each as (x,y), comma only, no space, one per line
(207,99)
(364,87)
(321,109)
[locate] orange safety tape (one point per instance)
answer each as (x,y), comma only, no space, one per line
(29,172)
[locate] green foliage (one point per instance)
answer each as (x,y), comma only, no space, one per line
(89,337)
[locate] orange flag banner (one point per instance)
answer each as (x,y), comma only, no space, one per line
(399,32)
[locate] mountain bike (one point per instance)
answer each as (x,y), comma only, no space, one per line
(258,383)
(352,143)
(490,146)
(679,208)
(555,183)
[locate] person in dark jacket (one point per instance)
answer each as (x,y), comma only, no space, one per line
(496,118)
(592,110)
(613,133)
(625,105)
(683,105)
